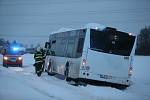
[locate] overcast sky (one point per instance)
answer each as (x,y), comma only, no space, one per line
(28,19)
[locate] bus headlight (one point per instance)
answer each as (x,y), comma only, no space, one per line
(5,58)
(19,58)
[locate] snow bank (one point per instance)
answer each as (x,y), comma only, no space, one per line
(141,68)
(140,78)
(14,87)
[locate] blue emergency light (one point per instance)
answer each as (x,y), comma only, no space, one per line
(15,48)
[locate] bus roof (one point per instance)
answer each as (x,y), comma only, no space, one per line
(90,26)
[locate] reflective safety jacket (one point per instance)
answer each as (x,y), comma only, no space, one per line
(39,57)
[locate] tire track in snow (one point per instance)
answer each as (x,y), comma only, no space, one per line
(26,81)
(43,92)
(79,90)
(38,89)
(29,76)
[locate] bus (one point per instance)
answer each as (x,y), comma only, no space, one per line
(93,54)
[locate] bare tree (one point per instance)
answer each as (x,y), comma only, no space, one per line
(143,42)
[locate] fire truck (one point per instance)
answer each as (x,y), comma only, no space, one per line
(12,55)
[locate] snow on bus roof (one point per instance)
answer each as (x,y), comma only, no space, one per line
(89,25)
(102,27)
(62,30)
(95,26)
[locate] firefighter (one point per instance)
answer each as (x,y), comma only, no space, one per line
(44,56)
(39,58)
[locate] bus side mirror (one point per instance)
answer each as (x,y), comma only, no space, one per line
(47,45)
(54,41)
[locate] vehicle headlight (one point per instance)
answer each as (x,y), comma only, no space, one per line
(19,58)
(5,58)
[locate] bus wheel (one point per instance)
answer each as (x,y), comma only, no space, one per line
(51,73)
(68,79)
(121,87)
(75,82)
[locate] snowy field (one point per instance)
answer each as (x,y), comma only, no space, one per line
(22,84)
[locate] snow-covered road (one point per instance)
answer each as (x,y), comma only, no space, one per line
(23,84)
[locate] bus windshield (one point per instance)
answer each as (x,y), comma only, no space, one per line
(111,41)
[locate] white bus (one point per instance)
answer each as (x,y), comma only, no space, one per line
(93,54)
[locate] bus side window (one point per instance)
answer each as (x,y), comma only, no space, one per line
(53,47)
(80,45)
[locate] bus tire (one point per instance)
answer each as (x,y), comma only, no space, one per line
(68,79)
(121,87)
(51,73)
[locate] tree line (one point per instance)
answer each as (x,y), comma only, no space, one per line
(143,42)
